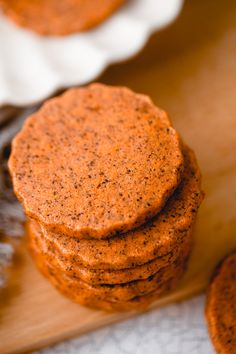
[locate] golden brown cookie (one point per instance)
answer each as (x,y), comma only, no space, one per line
(58,17)
(96,161)
(100,276)
(158,238)
(139,303)
(95,299)
(221,307)
(115,292)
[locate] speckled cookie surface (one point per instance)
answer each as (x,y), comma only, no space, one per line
(58,17)
(95,161)
(136,304)
(221,307)
(84,292)
(100,276)
(116,292)
(155,239)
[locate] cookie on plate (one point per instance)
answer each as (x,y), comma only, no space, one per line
(59,17)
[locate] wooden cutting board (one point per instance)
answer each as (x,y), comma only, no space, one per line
(190,70)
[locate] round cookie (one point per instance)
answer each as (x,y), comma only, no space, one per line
(113,293)
(58,17)
(100,276)
(138,303)
(221,307)
(96,161)
(155,239)
(116,292)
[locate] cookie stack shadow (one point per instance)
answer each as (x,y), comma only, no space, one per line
(108,261)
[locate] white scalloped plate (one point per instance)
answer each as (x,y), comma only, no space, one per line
(33,67)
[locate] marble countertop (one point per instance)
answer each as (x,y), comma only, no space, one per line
(174,329)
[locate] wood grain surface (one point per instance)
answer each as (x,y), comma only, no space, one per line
(190,70)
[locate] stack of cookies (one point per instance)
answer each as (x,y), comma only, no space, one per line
(111,194)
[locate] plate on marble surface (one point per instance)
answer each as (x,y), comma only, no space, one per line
(33,67)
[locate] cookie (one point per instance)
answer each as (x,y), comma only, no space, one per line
(112,293)
(158,238)
(96,161)
(221,307)
(53,17)
(100,276)
(138,303)
(115,292)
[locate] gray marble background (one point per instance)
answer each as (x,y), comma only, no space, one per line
(174,329)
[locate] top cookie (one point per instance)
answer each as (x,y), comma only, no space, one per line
(221,307)
(96,161)
(163,235)
(59,17)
